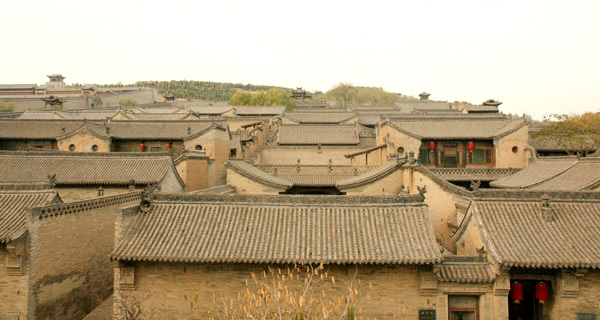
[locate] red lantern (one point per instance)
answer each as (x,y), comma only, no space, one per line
(516,291)
(471,145)
(541,291)
(431,145)
(168,146)
(142,147)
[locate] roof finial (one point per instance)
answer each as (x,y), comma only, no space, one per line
(547,212)
(52,179)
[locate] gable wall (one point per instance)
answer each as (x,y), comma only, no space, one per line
(83,142)
(70,270)
(505,157)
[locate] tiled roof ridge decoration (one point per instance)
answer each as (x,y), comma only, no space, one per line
(83,205)
(519,233)
(249,171)
(26,186)
(283,199)
(463,132)
(237,233)
(382,171)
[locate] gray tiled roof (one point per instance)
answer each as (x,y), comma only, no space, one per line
(458,128)
(410,106)
(13,210)
(515,233)
(318,134)
(273,231)
(259,110)
(84,168)
(466,272)
(209,110)
(584,175)
(320,117)
(17,86)
(560,173)
(126,129)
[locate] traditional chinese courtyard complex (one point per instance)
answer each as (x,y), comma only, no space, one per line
(446,212)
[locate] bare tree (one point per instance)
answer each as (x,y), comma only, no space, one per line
(298,292)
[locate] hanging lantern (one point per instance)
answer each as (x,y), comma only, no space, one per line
(471,145)
(541,291)
(142,147)
(516,291)
(431,145)
(167,146)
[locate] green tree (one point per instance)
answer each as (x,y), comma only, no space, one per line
(575,133)
(97,101)
(343,94)
(126,102)
(6,107)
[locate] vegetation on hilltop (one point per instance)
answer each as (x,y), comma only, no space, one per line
(345,94)
(273,97)
(199,90)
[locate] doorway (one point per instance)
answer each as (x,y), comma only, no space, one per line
(529,308)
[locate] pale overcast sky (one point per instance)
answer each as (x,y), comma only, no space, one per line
(538,57)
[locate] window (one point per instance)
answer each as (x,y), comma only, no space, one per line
(198,147)
(400,150)
(95,148)
(72,147)
(462,307)
(515,149)
(426,155)
(482,154)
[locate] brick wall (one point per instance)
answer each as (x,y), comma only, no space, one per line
(587,300)
(162,287)
(505,157)
(312,155)
(13,288)
(216,144)
(70,270)
(70,194)
(83,142)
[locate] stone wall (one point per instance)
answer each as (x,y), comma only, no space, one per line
(70,272)
(163,287)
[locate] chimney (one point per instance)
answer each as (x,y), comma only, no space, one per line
(424,95)
(547,212)
(100,191)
